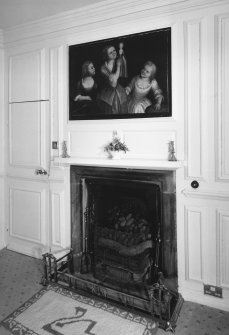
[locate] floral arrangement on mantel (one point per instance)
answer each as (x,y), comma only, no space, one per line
(115,146)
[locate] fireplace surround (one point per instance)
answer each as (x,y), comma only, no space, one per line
(101,188)
(123,239)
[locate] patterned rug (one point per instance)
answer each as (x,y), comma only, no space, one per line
(58,311)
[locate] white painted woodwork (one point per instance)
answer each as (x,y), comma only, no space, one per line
(144,143)
(25,219)
(88,143)
(2,147)
(149,144)
(223,261)
(27,134)
(27,76)
(2,212)
(106,14)
(222,144)
(2,116)
(194,245)
(28,217)
(56,218)
(58,89)
(206,194)
(193,97)
(37,54)
(59,203)
(54,106)
(123,162)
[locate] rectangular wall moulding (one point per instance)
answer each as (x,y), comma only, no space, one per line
(25,219)
(57,93)
(193,244)
(25,134)
(27,76)
(56,217)
(222,66)
(88,143)
(223,238)
(193,97)
(149,144)
(54,106)
(28,124)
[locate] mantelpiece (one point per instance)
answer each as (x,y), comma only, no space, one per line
(125,162)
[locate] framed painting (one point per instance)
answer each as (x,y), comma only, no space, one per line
(122,77)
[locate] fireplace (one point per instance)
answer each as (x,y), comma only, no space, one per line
(123,239)
(123,224)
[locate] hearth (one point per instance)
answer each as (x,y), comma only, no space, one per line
(123,238)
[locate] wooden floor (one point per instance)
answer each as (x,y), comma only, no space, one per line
(20,279)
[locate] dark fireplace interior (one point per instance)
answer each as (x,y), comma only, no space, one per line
(123,222)
(124,229)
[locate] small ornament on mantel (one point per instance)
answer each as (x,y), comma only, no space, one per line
(65,150)
(172,156)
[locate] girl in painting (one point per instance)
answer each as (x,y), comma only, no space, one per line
(140,87)
(86,90)
(112,99)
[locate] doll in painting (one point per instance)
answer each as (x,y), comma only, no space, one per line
(140,88)
(86,89)
(112,99)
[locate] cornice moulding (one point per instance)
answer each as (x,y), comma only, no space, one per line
(102,12)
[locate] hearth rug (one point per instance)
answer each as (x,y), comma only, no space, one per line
(58,311)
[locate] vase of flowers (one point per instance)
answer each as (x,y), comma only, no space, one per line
(116,148)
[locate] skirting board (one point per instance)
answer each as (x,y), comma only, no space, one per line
(36,251)
(201,298)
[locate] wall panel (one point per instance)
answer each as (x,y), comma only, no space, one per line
(88,143)
(26,214)
(26,76)
(58,88)
(28,217)
(28,134)
(56,219)
(59,225)
(193,244)
(223,238)
(149,144)
(193,94)
(145,144)
(222,66)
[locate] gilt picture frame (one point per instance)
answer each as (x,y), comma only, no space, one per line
(122,77)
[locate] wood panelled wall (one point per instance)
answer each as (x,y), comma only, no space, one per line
(36,94)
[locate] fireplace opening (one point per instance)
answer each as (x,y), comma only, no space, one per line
(124,228)
(122,221)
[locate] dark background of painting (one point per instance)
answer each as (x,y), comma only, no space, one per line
(138,48)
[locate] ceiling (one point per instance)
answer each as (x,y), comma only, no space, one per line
(14,12)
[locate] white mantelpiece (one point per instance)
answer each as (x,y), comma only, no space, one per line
(122,163)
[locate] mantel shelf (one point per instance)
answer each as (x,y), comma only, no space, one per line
(122,163)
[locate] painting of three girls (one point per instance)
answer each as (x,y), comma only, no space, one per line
(122,77)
